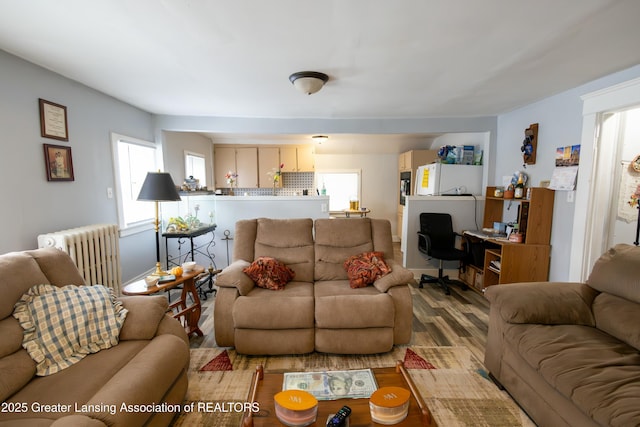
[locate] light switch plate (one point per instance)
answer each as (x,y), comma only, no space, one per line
(571,196)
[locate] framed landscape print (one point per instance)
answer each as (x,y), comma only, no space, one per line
(53,120)
(58,163)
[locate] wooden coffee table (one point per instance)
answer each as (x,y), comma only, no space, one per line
(265,385)
(189,315)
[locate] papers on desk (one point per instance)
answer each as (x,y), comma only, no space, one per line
(486,233)
(495,266)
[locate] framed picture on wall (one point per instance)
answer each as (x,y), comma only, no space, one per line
(53,120)
(58,163)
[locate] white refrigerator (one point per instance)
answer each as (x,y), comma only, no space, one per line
(441,179)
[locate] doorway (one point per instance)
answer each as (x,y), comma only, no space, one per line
(604,119)
(624,213)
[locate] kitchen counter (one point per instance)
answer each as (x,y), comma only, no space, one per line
(240,197)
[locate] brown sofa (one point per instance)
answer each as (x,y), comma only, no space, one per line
(318,310)
(148,365)
(569,352)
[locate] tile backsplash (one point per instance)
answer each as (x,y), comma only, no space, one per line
(293,184)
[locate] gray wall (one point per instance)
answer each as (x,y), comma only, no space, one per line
(30,204)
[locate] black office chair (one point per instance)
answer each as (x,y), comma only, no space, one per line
(436,239)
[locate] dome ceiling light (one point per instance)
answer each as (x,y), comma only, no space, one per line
(308,81)
(319,138)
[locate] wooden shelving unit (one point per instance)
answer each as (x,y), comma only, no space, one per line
(519,262)
(535,214)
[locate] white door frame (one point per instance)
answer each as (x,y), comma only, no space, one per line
(593,188)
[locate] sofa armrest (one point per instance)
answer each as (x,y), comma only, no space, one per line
(232,276)
(399,276)
(172,326)
(546,303)
(144,316)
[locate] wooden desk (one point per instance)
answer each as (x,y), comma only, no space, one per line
(519,262)
(188,315)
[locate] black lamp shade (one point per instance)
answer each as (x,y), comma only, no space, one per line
(158,186)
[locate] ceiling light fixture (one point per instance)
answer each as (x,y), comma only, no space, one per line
(319,138)
(308,81)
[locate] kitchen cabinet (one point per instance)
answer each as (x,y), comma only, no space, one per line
(242,160)
(247,166)
(306,159)
(252,164)
(289,156)
(268,163)
(297,158)
(224,160)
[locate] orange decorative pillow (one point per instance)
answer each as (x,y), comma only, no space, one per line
(365,268)
(269,273)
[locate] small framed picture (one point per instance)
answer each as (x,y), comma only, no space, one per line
(53,121)
(58,163)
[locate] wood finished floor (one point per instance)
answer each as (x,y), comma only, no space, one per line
(459,319)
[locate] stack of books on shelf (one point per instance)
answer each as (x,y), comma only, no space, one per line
(495,265)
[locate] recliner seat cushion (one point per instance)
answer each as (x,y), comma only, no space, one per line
(593,369)
(338,306)
(290,308)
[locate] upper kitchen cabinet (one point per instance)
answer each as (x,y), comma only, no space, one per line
(410,160)
(247,164)
(297,159)
(306,159)
(243,161)
(268,163)
(224,160)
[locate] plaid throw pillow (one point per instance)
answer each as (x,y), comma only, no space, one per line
(63,325)
(269,273)
(365,268)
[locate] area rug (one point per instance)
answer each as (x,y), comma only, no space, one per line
(452,382)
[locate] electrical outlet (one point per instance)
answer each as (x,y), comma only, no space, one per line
(109,193)
(323,207)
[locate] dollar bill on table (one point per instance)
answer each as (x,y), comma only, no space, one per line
(331,385)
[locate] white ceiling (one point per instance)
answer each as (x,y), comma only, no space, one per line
(385,59)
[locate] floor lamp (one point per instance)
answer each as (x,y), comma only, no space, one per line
(158,187)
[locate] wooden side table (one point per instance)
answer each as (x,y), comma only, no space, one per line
(362,213)
(188,315)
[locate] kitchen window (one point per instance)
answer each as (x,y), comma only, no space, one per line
(195,167)
(341,186)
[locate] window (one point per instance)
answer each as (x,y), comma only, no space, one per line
(341,186)
(132,159)
(194,166)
